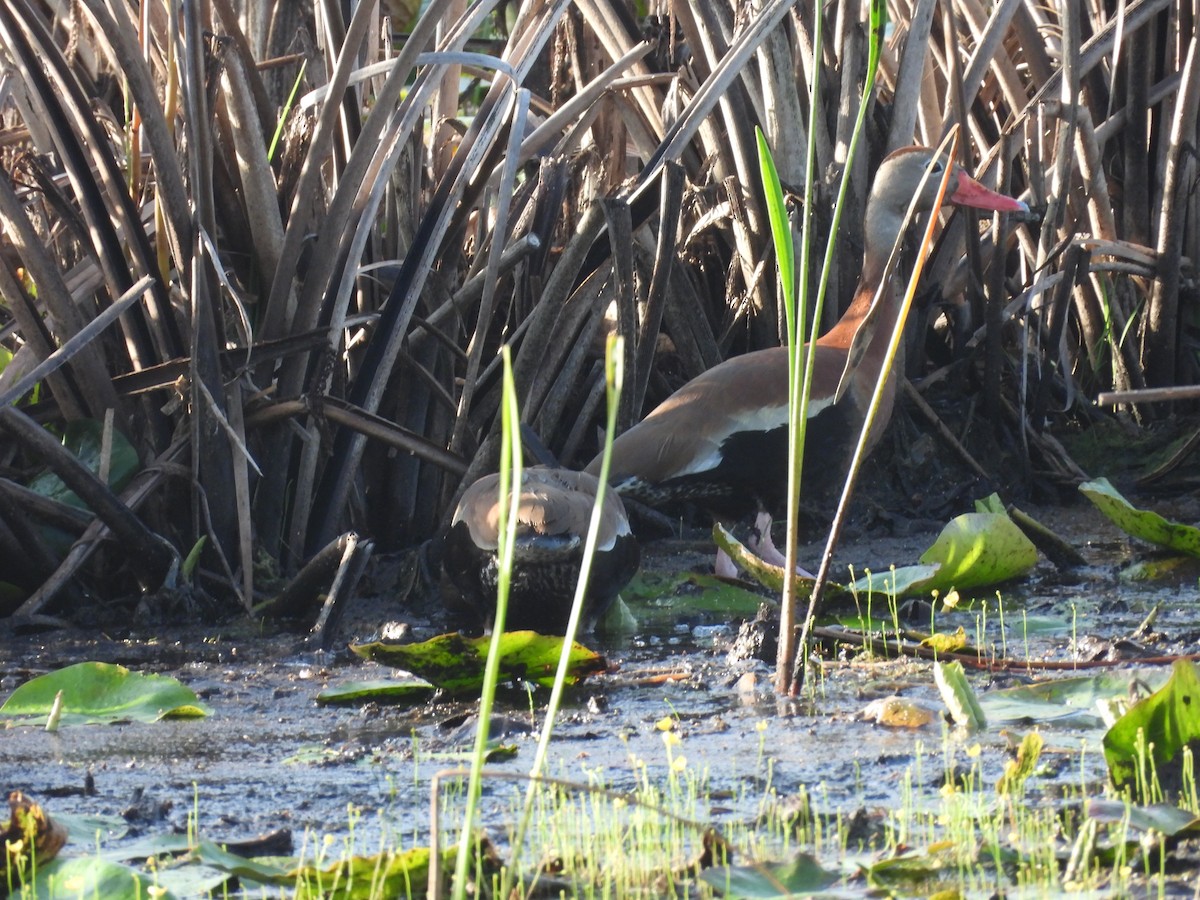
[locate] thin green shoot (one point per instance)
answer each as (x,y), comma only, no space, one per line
(283,114)
(1003,630)
(785,255)
(860,449)
(799,392)
(614,375)
(509,509)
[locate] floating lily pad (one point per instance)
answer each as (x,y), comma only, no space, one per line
(97,693)
(958,695)
(455,663)
(768,880)
(1164,818)
(1168,720)
(978,549)
(920,874)
(380,690)
(657,598)
(974,550)
(1143,524)
(91,876)
(1061,700)
(768,575)
(902,581)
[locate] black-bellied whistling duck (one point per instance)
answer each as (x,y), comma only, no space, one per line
(720,441)
(555,512)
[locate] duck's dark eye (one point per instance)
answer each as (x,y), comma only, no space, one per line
(936,168)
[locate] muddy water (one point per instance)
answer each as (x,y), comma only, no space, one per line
(269,757)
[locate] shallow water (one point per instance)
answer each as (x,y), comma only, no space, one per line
(269,757)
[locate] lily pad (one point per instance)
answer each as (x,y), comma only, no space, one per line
(85,439)
(387,874)
(91,876)
(455,663)
(657,598)
(768,575)
(919,874)
(380,690)
(1161,817)
(974,550)
(99,693)
(768,880)
(1064,701)
(978,549)
(958,695)
(1143,524)
(1155,730)
(902,581)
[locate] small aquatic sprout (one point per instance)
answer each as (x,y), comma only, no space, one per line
(893,599)
(1003,634)
(1025,631)
(1189,791)
(1074,631)
(761,727)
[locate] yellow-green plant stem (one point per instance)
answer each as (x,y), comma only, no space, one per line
(509,508)
(860,449)
(799,392)
(614,375)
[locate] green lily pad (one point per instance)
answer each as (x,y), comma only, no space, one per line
(974,550)
(193,879)
(1161,817)
(1143,524)
(1156,730)
(88,830)
(1158,568)
(769,880)
(218,857)
(96,693)
(766,574)
(920,874)
(388,874)
(958,695)
(902,581)
(455,663)
(380,690)
(85,439)
(658,598)
(979,549)
(91,876)
(1065,701)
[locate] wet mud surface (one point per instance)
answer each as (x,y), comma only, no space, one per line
(269,757)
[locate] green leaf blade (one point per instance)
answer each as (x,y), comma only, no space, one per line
(96,693)
(1143,524)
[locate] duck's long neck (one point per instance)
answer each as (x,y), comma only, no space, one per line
(882,228)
